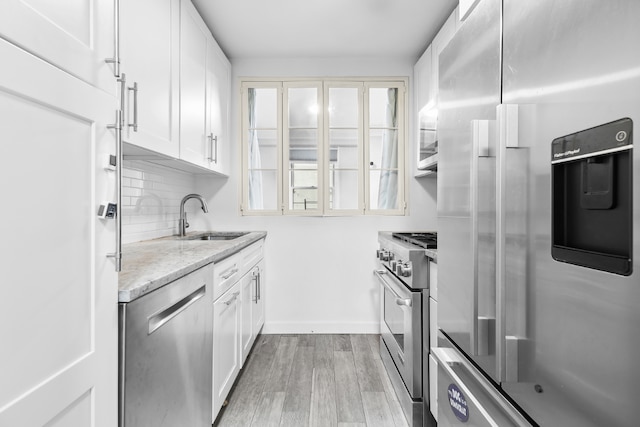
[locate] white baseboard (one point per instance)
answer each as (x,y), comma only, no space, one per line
(321,328)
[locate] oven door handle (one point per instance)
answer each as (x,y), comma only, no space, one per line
(399,299)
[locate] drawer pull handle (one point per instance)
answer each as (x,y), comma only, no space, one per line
(229,274)
(232,299)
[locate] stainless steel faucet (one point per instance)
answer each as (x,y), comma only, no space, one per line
(182,223)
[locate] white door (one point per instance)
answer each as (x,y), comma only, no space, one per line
(150,59)
(58,311)
(73,35)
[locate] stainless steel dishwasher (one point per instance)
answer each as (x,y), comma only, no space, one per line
(165,353)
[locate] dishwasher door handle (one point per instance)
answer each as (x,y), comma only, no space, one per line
(159,319)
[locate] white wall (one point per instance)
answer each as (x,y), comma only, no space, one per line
(319,270)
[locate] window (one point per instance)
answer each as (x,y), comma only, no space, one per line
(323,147)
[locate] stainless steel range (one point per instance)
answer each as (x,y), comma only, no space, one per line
(404,275)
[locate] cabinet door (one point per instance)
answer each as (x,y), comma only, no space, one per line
(149,47)
(218,88)
(257,305)
(226,345)
(58,309)
(440,41)
(246,326)
(422,79)
(74,36)
(193,87)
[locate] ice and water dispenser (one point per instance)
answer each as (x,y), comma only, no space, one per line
(592,197)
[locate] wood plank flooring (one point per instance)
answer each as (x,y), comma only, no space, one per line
(313,380)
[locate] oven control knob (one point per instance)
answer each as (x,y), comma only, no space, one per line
(394,264)
(378,253)
(405,269)
(396,267)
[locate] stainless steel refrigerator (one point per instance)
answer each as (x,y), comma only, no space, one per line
(539,293)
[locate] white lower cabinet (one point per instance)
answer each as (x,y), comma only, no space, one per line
(257,303)
(238,316)
(252,307)
(246,341)
(226,345)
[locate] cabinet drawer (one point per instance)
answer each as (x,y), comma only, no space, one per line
(230,270)
(251,255)
(225,274)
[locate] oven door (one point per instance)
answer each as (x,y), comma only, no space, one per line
(401,329)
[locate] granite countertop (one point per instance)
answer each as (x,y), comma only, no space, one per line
(149,265)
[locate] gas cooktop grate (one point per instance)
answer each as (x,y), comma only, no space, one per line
(427,240)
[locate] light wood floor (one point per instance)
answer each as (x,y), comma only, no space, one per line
(313,380)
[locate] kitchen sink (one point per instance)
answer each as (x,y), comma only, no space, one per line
(216,235)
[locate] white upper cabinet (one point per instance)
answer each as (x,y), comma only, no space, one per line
(440,41)
(425,72)
(205,75)
(422,79)
(217,115)
(149,47)
(425,76)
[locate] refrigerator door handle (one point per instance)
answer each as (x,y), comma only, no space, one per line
(482,164)
(510,326)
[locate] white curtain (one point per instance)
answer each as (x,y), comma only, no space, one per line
(388,188)
(255,163)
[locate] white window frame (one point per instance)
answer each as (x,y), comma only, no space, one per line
(244,207)
(402,141)
(286,146)
(323,85)
(360,210)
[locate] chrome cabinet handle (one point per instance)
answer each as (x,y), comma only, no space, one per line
(256,279)
(231,273)
(259,285)
(213,142)
(232,299)
(134,88)
(158,320)
(116,40)
(399,299)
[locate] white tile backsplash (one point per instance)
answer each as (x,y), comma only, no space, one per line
(151,196)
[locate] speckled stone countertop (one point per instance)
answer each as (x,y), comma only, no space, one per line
(151,264)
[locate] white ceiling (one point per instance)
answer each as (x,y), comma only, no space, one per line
(324,28)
